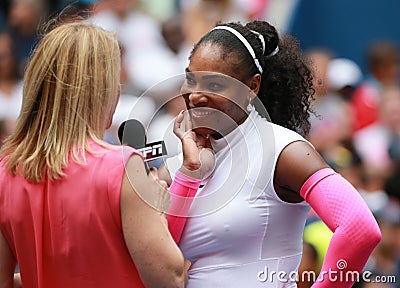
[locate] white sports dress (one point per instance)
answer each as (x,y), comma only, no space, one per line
(240,234)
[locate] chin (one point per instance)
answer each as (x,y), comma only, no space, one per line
(204,131)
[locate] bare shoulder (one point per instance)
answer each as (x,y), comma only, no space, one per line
(295,164)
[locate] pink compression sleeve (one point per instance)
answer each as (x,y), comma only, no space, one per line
(356,232)
(182,191)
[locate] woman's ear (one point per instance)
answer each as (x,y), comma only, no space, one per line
(255,83)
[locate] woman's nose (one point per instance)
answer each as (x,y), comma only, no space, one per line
(197,98)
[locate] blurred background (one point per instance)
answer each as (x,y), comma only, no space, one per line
(354,49)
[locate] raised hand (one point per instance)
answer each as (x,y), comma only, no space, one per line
(198,157)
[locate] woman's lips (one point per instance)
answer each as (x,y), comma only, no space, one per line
(201,112)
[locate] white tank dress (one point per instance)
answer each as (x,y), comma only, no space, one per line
(239,232)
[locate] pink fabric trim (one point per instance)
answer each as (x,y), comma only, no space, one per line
(314,179)
(185,180)
(356,232)
(182,190)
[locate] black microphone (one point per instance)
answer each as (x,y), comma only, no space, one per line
(132,133)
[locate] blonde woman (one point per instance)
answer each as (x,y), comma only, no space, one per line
(70,211)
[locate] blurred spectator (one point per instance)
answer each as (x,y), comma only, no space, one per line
(75,11)
(317,234)
(200,16)
(10,85)
(161,125)
(343,76)
(151,60)
(308,264)
(333,122)
(331,129)
(320,58)
(335,80)
(344,159)
(172,32)
(394,148)
(129,105)
(174,39)
(24,19)
(160,10)
(373,141)
(385,260)
(58,5)
(255,9)
(392,188)
(4,7)
(168,99)
(383,65)
(148,59)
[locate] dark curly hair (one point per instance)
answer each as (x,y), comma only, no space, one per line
(286,84)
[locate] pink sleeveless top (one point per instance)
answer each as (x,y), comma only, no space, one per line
(68,233)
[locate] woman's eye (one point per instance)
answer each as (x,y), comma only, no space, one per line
(190,81)
(213,86)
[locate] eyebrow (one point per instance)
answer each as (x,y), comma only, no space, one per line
(208,76)
(212,76)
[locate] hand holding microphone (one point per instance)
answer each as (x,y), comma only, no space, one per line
(198,158)
(132,133)
(198,162)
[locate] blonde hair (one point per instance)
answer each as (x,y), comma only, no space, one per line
(70,92)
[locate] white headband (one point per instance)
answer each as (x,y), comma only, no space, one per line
(245,43)
(274,52)
(261,37)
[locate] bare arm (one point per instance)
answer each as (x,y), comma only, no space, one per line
(338,204)
(156,256)
(296,163)
(7,264)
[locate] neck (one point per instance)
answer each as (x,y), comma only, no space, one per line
(219,135)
